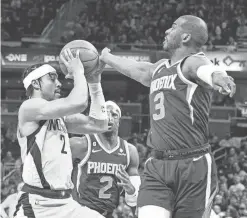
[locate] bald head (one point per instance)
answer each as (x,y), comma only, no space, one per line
(196,27)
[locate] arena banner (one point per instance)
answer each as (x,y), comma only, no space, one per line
(19,58)
(235,61)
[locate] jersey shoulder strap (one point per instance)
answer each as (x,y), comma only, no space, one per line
(164,63)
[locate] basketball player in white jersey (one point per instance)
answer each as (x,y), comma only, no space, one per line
(104,166)
(44,121)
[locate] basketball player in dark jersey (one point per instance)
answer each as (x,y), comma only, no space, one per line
(104,166)
(180,178)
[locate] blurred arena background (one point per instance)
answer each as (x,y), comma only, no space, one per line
(34,31)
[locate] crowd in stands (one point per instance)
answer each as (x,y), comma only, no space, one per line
(139,22)
(144,22)
(26,17)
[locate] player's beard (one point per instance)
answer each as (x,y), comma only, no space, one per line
(172,42)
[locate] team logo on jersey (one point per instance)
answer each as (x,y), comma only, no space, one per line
(101,167)
(56,125)
(165,82)
(121,152)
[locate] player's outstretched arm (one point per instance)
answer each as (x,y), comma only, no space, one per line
(36,109)
(97,121)
(139,71)
(199,69)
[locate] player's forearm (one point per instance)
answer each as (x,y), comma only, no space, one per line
(131,68)
(97,126)
(98,107)
(79,94)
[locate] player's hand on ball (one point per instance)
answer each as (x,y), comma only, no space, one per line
(73,63)
(104,52)
(95,77)
(224,84)
(125,181)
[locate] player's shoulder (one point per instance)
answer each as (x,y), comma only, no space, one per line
(81,142)
(31,103)
(132,149)
(196,60)
(163,61)
(78,145)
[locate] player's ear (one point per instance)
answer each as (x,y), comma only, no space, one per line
(36,84)
(186,37)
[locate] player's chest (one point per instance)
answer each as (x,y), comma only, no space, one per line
(167,81)
(102,162)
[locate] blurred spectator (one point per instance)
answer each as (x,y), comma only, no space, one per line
(8,158)
(242,30)
(10,203)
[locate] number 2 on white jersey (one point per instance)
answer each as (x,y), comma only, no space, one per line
(159,106)
(102,191)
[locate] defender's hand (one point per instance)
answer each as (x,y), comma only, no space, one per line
(125,181)
(104,53)
(73,64)
(224,84)
(95,77)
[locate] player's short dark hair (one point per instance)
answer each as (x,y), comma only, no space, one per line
(197,28)
(26,72)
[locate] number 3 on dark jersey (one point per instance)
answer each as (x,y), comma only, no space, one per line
(159,106)
(63,139)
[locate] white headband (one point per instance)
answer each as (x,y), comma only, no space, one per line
(37,73)
(115,106)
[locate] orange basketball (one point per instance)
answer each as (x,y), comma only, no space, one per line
(89,55)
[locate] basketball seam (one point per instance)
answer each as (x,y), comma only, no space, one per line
(89,50)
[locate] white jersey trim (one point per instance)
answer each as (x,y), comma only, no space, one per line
(104,148)
(159,67)
(190,90)
(21,141)
(83,161)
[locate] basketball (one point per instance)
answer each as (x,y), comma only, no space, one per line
(89,55)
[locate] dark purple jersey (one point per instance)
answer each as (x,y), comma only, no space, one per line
(95,176)
(179,109)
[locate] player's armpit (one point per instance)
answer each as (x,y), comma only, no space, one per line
(36,109)
(190,67)
(81,124)
(79,147)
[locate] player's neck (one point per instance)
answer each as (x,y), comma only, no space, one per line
(109,139)
(181,53)
(36,95)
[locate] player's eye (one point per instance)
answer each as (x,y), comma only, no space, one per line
(53,77)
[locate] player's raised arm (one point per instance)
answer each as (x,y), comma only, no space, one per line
(140,71)
(200,70)
(37,108)
(97,121)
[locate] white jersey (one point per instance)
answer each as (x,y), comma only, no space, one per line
(46,156)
